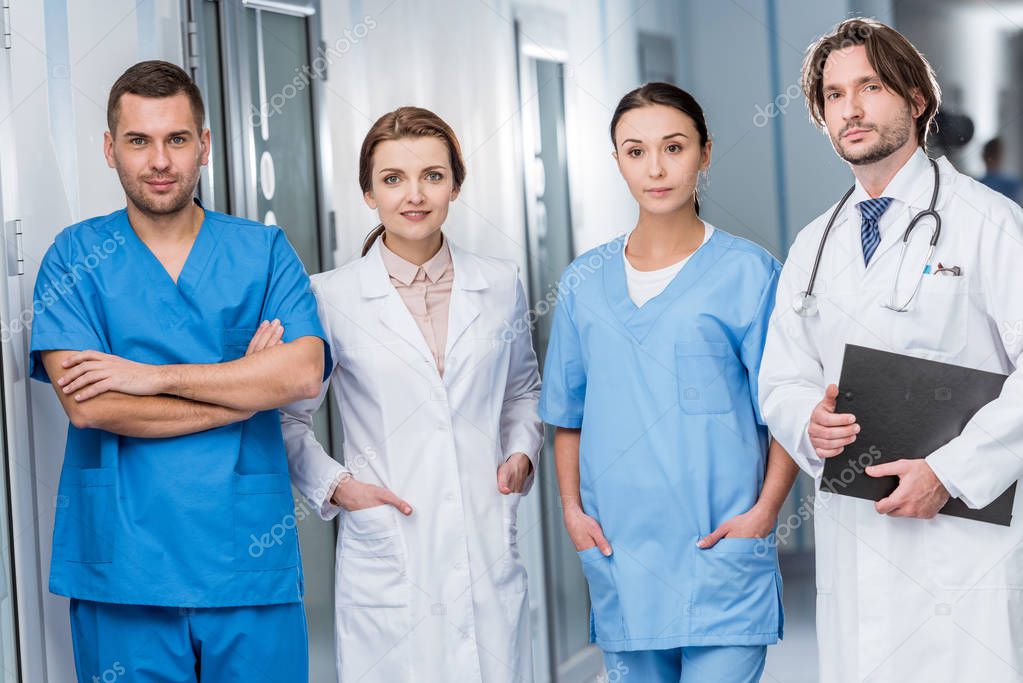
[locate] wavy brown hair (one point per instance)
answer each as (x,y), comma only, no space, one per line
(406,122)
(899,65)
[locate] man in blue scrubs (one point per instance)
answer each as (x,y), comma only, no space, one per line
(175,537)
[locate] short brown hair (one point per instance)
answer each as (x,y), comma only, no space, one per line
(406,122)
(155,78)
(899,65)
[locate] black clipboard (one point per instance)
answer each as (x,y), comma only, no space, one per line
(907,408)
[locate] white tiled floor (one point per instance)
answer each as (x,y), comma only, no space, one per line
(794,659)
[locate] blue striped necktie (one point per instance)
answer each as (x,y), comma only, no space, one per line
(870,234)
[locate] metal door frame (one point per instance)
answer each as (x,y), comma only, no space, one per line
(242,176)
(234,62)
(541,34)
(235,53)
(21,510)
(7,511)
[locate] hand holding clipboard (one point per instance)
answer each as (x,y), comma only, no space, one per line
(907,408)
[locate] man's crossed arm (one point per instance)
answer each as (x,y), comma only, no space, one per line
(103,391)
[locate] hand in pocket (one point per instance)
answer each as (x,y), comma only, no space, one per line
(352,494)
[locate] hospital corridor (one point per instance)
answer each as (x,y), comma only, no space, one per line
(301,98)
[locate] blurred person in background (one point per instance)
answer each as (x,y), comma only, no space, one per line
(994,177)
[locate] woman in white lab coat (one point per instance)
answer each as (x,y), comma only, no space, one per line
(436,382)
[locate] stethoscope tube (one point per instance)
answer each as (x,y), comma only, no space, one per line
(824,239)
(929,211)
(804,302)
(935,234)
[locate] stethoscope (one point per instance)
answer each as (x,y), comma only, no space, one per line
(805,303)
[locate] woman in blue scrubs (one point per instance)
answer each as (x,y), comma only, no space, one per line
(670,483)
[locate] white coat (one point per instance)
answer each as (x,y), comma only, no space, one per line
(900,599)
(440,595)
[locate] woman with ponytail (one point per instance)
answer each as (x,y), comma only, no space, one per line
(441,435)
(670,483)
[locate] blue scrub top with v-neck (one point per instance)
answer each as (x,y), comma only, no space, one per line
(672,443)
(201,520)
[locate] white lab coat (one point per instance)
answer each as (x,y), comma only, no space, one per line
(898,599)
(441,595)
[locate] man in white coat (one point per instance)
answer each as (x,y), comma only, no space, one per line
(903,594)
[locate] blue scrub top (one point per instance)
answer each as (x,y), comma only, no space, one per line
(201,520)
(672,443)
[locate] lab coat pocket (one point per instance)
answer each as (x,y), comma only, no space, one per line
(265,535)
(607,623)
(935,323)
(97,506)
(513,578)
(736,588)
(706,373)
(371,560)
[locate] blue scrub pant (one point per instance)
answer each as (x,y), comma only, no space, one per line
(735,664)
(120,643)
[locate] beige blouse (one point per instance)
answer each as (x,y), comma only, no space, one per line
(426,291)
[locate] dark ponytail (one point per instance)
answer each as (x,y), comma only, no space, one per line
(670,96)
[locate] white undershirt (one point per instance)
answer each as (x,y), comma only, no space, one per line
(644,285)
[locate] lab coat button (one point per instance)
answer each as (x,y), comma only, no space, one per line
(449,497)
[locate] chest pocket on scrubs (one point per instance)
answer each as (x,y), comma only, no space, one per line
(936,321)
(236,342)
(95,515)
(264,522)
(706,372)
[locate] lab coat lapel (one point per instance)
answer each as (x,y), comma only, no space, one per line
(911,188)
(846,233)
(395,316)
(376,284)
(464,306)
(892,236)
(846,256)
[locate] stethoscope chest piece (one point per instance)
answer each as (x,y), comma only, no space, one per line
(805,304)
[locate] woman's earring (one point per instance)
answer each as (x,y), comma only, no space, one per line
(704,180)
